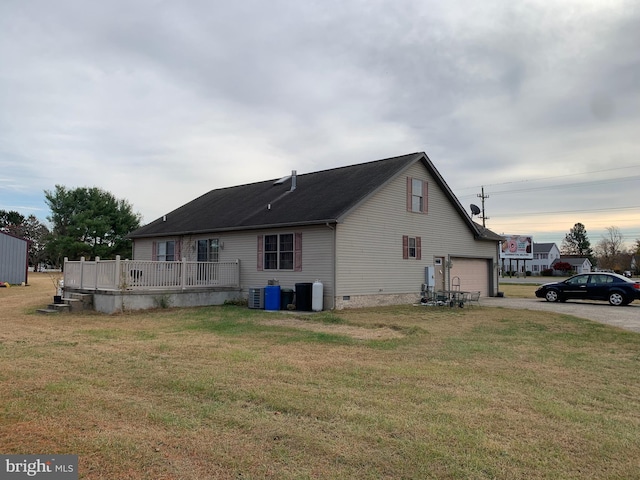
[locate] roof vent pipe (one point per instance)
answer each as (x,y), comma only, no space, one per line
(294,180)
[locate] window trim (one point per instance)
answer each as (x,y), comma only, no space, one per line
(213,254)
(156,248)
(423,194)
(296,253)
(406,247)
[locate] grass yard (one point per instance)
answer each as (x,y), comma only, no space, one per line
(519,290)
(398,392)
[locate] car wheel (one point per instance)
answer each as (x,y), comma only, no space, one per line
(552,296)
(616,299)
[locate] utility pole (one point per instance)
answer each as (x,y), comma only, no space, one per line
(483,196)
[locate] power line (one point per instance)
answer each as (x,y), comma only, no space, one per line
(553,177)
(562,185)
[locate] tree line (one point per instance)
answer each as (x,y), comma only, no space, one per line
(85,222)
(609,253)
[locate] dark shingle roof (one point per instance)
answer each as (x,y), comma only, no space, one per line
(319,197)
(542,247)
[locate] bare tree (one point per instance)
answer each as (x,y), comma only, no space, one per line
(609,249)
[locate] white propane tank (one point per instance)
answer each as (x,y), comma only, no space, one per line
(316,296)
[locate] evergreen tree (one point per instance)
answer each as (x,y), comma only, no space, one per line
(89,222)
(576,242)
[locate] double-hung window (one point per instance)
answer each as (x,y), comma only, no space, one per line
(209,250)
(166,251)
(278,252)
(411,247)
(282,251)
(417,195)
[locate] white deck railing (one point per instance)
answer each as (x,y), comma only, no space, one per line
(148,275)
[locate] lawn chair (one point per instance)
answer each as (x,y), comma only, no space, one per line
(474,297)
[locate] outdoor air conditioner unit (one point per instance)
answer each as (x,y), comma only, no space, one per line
(256,297)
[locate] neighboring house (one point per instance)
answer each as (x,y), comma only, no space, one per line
(544,254)
(14,259)
(366,231)
(579,264)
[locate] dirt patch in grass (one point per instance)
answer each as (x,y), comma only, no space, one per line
(358,333)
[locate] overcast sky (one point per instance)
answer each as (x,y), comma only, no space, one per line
(159,102)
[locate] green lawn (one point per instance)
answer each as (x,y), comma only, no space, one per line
(397,392)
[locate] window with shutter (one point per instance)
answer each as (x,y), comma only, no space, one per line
(280,252)
(165,251)
(260,261)
(411,247)
(417,195)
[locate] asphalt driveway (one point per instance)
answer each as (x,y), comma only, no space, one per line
(627,317)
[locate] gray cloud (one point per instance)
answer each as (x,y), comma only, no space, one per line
(158,97)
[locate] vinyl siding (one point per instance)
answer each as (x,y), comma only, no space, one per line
(13,259)
(369,242)
(317,256)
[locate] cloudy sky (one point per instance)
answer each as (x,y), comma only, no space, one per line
(161,101)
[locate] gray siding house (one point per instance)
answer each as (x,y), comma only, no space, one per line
(14,259)
(366,231)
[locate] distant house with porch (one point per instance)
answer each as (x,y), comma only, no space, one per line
(366,231)
(14,259)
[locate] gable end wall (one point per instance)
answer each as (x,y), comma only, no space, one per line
(369,242)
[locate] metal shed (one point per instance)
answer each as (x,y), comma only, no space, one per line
(14,259)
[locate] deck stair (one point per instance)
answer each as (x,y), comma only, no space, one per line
(74,302)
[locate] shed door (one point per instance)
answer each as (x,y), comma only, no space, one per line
(474,274)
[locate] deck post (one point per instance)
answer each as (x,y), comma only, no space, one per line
(95,280)
(183,279)
(64,270)
(117,274)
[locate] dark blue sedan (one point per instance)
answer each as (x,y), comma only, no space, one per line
(614,288)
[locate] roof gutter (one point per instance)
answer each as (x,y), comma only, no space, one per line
(239,229)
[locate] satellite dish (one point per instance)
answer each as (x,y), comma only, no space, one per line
(475,210)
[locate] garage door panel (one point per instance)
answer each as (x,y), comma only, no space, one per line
(473,274)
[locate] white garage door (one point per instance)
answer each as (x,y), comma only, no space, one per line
(473,274)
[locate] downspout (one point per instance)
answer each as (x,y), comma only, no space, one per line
(335,266)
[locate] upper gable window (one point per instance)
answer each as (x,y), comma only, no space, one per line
(417,200)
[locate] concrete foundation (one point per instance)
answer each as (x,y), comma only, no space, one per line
(360,301)
(117,301)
